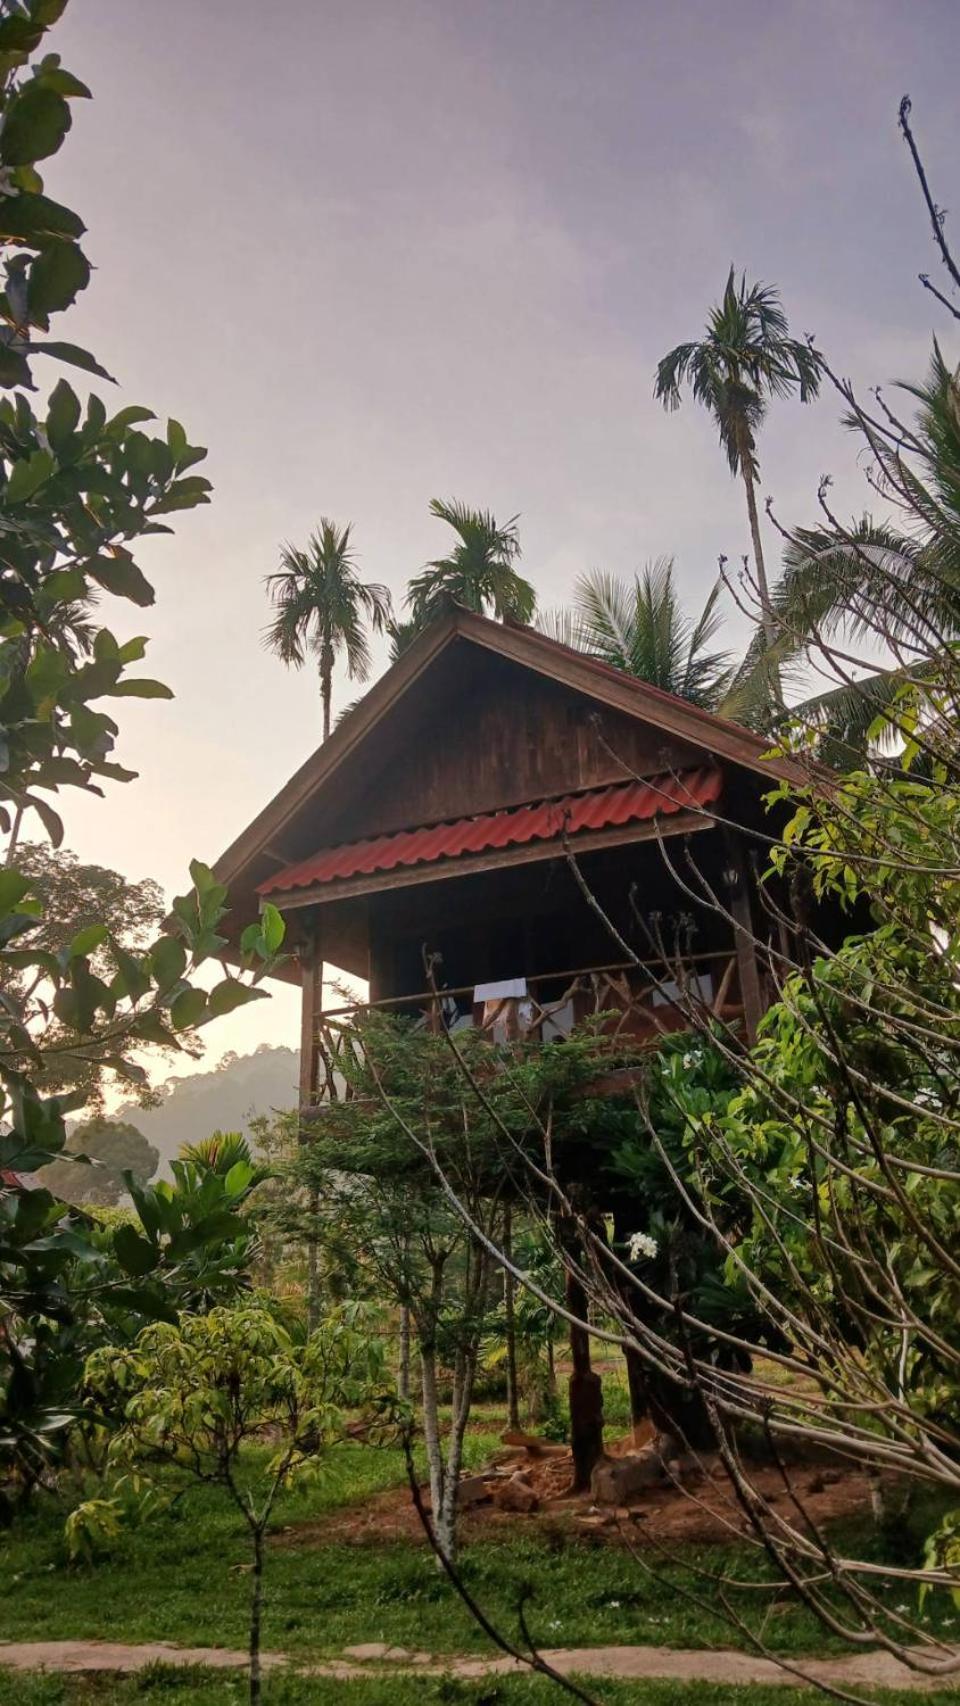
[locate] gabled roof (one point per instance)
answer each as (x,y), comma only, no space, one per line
(599,681)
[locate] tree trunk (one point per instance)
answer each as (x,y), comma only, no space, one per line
(639,1396)
(767,618)
(326,685)
(586,1394)
(509,1293)
(403,1366)
(763,591)
(431,1436)
(256,1613)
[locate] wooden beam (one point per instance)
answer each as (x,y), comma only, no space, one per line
(311,980)
(380,882)
(741,908)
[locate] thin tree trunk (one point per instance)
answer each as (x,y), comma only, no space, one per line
(326,683)
(403,1368)
(256,1615)
(313,1261)
(767,618)
(586,1393)
(431,1432)
(513,1395)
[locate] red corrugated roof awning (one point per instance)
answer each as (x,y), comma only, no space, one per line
(601,808)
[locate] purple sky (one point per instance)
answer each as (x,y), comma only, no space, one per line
(374,251)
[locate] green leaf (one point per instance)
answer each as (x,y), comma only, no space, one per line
(36,122)
(86,940)
(230,994)
(27,476)
(135,688)
(188,1009)
(74,355)
(130,416)
(63,414)
(273,928)
(32,217)
(63,83)
(121,576)
(51,820)
(136,1255)
(13,887)
(57,276)
(168,961)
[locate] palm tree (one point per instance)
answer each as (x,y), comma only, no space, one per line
(321,604)
(639,627)
(875,584)
(479,571)
(746,357)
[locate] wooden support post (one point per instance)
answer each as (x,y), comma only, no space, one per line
(748,965)
(311,974)
(311,1006)
(586,1393)
(510,1324)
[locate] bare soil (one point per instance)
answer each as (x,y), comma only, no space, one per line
(703,1510)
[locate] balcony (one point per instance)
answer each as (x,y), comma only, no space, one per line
(628,1004)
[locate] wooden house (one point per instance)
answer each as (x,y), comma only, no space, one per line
(438,818)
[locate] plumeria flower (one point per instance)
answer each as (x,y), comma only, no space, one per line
(640,1246)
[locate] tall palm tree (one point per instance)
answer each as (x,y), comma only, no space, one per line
(479,572)
(640,627)
(888,585)
(746,357)
(322,606)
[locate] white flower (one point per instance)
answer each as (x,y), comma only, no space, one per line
(640,1245)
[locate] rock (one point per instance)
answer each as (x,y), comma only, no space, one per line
(530,1442)
(473,1490)
(618,1480)
(515,1494)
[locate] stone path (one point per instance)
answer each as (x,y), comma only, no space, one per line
(373,1658)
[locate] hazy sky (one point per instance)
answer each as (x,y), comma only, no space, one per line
(375,251)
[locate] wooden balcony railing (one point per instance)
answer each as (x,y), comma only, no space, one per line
(630,1003)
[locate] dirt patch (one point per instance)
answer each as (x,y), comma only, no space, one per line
(704,1511)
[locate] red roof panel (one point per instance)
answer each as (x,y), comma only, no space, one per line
(602,808)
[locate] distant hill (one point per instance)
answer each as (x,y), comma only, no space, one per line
(225,1099)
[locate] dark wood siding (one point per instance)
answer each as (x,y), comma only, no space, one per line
(495,736)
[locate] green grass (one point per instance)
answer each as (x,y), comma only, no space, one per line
(166,1687)
(182,1577)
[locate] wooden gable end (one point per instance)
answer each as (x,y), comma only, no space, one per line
(488,734)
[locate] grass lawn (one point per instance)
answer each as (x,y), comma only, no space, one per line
(183,1577)
(165,1687)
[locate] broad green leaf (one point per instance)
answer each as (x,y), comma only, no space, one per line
(121,576)
(63,414)
(273,928)
(36,122)
(27,476)
(73,355)
(228,995)
(135,688)
(57,276)
(168,961)
(13,887)
(136,1255)
(188,1009)
(86,940)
